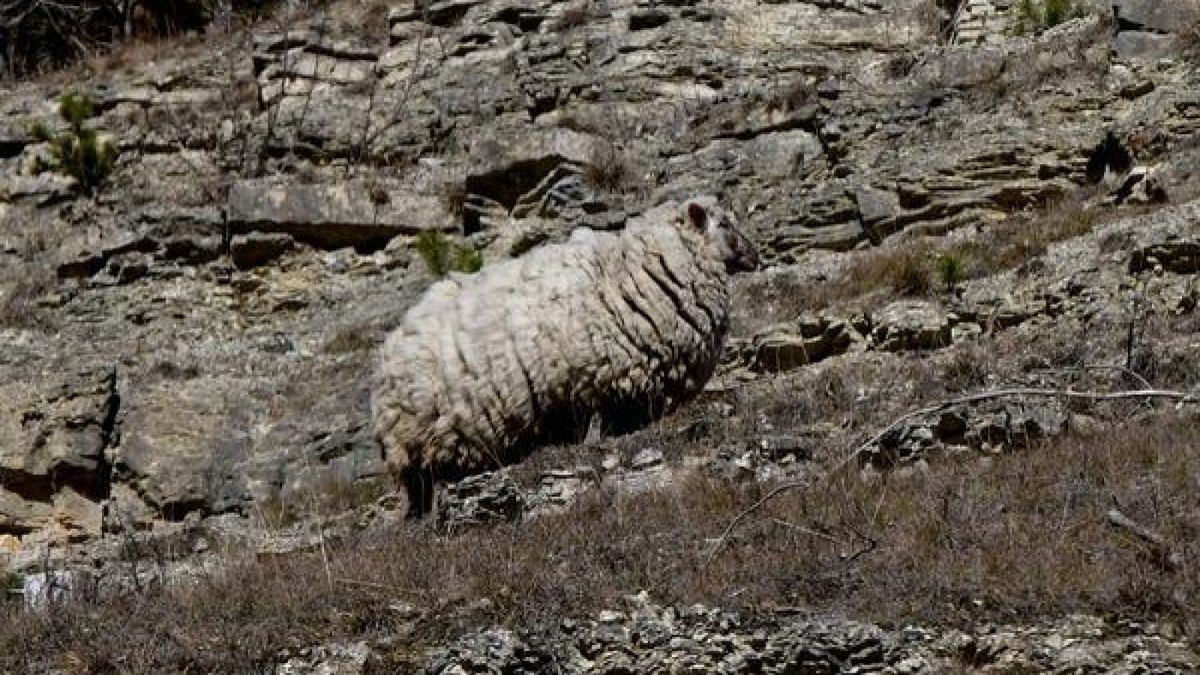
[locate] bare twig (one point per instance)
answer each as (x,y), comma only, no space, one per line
(809,531)
(367,584)
(1099,367)
(1131,339)
(318,520)
(871,545)
(416,70)
(1180,396)
(1162,551)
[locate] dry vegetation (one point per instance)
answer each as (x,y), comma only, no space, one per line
(29,276)
(1188,16)
(105,34)
(20,290)
(1021,537)
(1015,538)
(610,169)
(922,267)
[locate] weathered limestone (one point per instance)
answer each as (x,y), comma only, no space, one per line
(332,216)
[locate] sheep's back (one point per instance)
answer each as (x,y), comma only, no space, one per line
(482,365)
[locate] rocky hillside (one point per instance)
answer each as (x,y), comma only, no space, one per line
(955,427)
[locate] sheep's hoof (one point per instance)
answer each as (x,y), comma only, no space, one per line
(418,485)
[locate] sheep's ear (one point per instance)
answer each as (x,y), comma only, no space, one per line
(697,216)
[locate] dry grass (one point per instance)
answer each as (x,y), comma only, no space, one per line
(350,340)
(1019,538)
(609,168)
(31,276)
(20,293)
(154,45)
(1188,37)
(1015,242)
(934,18)
(792,95)
(332,496)
(920,267)
(135,54)
(868,279)
(453,196)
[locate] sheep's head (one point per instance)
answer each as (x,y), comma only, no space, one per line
(722,233)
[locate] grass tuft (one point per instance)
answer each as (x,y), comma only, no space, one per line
(609,169)
(443,256)
(951,270)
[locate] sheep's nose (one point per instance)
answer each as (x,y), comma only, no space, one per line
(752,260)
(745,261)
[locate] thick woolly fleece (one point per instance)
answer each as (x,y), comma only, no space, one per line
(485,365)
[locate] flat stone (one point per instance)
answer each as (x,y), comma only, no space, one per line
(911,324)
(54,433)
(180,441)
(320,67)
(782,153)
(875,205)
(787,347)
(279,41)
(1144,46)
(646,458)
(333,215)
(1149,15)
(192,250)
(14,136)
(437,13)
(41,189)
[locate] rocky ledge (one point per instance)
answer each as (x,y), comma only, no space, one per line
(949,196)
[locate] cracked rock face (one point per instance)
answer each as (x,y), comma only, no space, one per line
(252,247)
(190,350)
(55,452)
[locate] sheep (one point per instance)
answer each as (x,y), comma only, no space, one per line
(624,326)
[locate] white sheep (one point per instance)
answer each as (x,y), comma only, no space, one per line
(625,326)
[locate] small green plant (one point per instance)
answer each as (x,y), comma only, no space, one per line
(442,256)
(1035,15)
(951,270)
(11,584)
(434,249)
(468,260)
(1058,11)
(77,152)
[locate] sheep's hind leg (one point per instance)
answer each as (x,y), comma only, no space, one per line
(418,485)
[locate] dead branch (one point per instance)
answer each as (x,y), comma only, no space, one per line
(1149,393)
(809,531)
(1163,553)
(1098,368)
